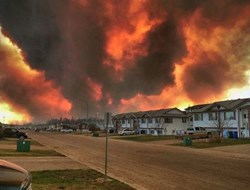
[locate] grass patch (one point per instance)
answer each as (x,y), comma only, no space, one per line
(214,143)
(11,152)
(74,180)
(145,138)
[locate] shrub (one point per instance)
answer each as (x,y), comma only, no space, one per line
(1,131)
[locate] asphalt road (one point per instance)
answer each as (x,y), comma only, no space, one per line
(156,166)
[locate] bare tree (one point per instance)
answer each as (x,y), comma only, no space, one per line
(221,123)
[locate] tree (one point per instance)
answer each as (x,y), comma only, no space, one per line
(1,131)
(222,122)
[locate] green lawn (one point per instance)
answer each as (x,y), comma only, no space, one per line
(74,180)
(214,143)
(144,138)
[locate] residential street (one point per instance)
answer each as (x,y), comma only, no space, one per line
(156,166)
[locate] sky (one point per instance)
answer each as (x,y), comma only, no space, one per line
(58,57)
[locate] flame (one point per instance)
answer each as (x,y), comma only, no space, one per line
(7,115)
(24,89)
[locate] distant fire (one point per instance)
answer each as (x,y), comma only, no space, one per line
(25,93)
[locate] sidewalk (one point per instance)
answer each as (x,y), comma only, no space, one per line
(45,163)
(35,163)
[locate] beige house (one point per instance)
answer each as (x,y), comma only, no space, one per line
(154,122)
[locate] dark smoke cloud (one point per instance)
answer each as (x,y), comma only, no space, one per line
(208,74)
(67,41)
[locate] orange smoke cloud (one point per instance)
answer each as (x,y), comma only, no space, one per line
(125,35)
(95,90)
(125,55)
(26,91)
(214,54)
(216,65)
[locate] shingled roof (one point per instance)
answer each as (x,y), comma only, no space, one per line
(151,113)
(225,104)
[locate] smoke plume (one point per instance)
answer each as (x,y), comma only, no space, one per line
(126,55)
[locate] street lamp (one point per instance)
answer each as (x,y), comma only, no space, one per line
(87,108)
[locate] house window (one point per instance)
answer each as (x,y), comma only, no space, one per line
(150,120)
(230,115)
(191,119)
(245,116)
(157,120)
(212,116)
(184,120)
(143,120)
(123,121)
(159,132)
(168,120)
(198,117)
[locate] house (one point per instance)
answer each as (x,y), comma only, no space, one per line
(155,122)
(231,115)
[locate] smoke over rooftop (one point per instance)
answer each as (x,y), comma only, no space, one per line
(126,55)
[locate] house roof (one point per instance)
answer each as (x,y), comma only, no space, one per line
(175,112)
(225,105)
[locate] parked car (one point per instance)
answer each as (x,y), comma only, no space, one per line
(14,177)
(126,132)
(14,133)
(197,132)
(66,130)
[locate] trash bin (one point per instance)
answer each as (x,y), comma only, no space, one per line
(95,134)
(230,134)
(187,141)
(235,134)
(23,146)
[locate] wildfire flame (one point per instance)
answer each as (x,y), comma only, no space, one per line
(28,87)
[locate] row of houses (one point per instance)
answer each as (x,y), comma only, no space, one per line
(231,115)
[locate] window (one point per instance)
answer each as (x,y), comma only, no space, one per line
(168,120)
(159,132)
(212,116)
(184,120)
(150,120)
(198,117)
(157,120)
(245,116)
(123,121)
(230,115)
(143,120)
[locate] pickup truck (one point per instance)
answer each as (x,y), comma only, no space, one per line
(197,132)
(14,133)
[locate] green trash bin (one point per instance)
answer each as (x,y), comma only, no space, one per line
(187,141)
(23,146)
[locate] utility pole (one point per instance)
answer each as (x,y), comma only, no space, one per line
(107,118)
(87,108)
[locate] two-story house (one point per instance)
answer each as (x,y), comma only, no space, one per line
(231,115)
(155,122)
